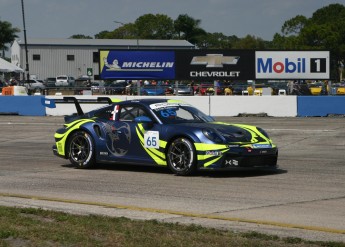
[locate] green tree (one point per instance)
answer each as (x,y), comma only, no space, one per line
(188,28)
(218,41)
(294,25)
(157,26)
(125,31)
(250,42)
(80,36)
(147,26)
(7,35)
(103,35)
(325,30)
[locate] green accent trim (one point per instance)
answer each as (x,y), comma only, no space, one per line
(208,147)
(61,144)
(212,161)
(157,155)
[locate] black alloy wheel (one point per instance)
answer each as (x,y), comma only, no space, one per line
(181,157)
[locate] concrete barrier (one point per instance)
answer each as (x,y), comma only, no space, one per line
(275,106)
(22,105)
(320,106)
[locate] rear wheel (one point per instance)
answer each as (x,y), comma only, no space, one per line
(181,157)
(81,150)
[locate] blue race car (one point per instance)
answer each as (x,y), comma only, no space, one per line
(161,132)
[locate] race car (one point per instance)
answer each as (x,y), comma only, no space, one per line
(161,132)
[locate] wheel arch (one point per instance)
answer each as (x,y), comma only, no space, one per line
(81,128)
(191,138)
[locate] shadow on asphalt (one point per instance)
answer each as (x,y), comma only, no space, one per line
(202,173)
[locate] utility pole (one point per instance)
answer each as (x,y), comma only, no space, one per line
(26,47)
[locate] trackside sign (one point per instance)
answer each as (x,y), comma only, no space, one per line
(123,64)
(292,65)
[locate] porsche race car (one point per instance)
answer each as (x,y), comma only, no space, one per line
(161,132)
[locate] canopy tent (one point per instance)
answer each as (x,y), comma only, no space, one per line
(9,67)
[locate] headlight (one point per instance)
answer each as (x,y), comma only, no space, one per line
(212,135)
(263,132)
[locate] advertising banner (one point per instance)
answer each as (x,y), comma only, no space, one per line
(215,65)
(292,65)
(129,64)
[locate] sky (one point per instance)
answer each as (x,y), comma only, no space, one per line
(64,18)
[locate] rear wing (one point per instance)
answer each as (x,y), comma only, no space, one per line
(51,103)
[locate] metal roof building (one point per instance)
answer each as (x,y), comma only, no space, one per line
(53,57)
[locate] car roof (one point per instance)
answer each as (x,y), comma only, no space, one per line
(144,101)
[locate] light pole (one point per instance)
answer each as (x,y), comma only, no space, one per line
(26,47)
(119,22)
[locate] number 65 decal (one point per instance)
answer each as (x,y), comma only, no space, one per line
(151,139)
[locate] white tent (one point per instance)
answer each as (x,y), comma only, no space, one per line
(9,67)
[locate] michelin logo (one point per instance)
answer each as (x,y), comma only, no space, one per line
(137,66)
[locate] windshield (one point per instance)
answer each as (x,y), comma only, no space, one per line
(170,113)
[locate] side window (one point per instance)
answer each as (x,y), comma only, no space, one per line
(129,113)
(105,114)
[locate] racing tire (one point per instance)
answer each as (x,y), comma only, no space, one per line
(81,150)
(181,157)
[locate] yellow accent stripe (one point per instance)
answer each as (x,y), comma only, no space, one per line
(180,213)
(208,147)
(175,101)
(156,155)
(211,162)
(61,144)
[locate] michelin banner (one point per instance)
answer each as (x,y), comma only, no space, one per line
(124,64)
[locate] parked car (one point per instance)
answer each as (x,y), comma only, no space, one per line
(118,87)
(64,81)
(50,82)
(183,89)
(152,90)
(317,88)
(338,89)
(97,87)
(34,85)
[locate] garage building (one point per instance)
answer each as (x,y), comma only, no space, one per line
(74,57)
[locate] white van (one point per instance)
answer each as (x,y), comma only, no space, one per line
(64,80)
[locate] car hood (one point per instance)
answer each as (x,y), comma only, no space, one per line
(233,133)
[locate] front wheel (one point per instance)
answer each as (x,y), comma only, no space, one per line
(181,157)
(81,150)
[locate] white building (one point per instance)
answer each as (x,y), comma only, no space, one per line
(52,57)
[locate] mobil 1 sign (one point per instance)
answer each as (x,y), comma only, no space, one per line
(292,64)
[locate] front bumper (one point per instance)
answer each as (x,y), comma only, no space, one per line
(55,152)
(243,158)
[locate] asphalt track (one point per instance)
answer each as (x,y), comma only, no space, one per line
(305,198)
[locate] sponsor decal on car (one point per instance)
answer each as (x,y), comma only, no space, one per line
(262,146)
(214,153)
